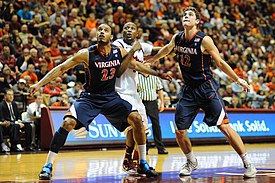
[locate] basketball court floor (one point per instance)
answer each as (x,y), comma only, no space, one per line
(217,164)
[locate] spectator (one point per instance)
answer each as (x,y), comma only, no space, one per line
(9,112)
(74,92)
(54,91)
(47,59)
(235,103)
(24,34)
(30,72)
(64,102)
(42,71)
(7,59)
(6,79)
(20,93)
(34,114)
(23,61)
(25,14)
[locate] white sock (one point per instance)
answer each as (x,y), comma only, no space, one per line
(51,157)
(142,152)
(245,159)
(190,156)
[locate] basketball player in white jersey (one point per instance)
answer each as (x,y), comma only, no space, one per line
(126,86)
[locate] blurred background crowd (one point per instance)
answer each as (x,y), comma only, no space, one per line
(37,35)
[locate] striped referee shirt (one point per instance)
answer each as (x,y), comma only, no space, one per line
(148,87)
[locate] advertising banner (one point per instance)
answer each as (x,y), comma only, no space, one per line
(246,124)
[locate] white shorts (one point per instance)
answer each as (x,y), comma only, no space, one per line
(137,104)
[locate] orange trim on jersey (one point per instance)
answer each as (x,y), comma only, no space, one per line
(194,35)
(183,37)
(69,113)
(215,92)
(199,36)
(225,121)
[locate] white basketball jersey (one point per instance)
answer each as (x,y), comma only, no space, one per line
(127,82)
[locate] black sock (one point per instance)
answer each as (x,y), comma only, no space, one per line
(129,151)
(59,139)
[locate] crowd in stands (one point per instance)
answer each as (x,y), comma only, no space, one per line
(37,35)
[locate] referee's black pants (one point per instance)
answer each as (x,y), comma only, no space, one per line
(153,113)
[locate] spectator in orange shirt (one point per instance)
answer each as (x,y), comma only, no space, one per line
(91,22)
(47,59)
(254,83)
(271,84)
(31,74)
(55,52)
(159,42)
(239,71)
(118,15)
(64,102)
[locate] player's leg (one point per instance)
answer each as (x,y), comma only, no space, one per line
(135,120)
(128,165)
(58,141)
(215,114)
(186,111)
(236,142)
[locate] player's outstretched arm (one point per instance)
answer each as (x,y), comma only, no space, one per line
(163,51)
(209,46)
(128,58)
(140,67)
(80,57)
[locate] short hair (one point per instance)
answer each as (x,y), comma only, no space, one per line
(197,13)
(7,90)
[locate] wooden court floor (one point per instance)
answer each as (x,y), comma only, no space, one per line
(217,164)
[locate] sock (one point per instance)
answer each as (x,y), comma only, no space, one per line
(142,152)
(51,157)
(245,159)
(190,156)
(128,153)
(58,140)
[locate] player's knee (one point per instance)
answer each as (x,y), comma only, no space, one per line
(69,124)
(180,133)
(135,120)
(224,128)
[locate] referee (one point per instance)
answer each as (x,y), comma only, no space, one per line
(148,87)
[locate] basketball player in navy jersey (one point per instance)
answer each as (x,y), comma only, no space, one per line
(104,63)
(194,50)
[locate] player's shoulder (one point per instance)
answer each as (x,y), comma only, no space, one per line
(119,42)
(145,45)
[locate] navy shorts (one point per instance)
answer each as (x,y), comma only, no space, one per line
(88,106)
(205,96)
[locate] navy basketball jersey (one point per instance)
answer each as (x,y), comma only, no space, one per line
(102,70)
(194,65)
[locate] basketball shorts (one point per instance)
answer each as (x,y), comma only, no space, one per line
(88,106)
(206,97)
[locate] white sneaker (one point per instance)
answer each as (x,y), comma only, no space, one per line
(188,167)
(5,148)
(250,171)
(19,147)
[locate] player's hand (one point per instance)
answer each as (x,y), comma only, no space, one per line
(161,107)
(33,89)
(165,76)
(136,46)
(244,84)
